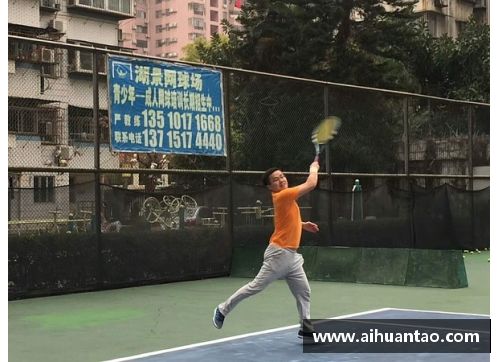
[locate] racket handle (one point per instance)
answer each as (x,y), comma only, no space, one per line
(316,159)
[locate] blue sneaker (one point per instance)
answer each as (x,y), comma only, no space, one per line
(218,318)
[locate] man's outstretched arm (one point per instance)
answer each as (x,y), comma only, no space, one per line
(311,181)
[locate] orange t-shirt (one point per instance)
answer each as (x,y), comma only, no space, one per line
(287,220)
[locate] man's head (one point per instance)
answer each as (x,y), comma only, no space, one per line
(274,179)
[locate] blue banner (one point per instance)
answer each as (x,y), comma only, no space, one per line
(165,108)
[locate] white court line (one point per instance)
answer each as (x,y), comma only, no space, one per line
(437,311)
(201,344)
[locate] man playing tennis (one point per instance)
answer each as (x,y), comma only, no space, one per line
(281,259)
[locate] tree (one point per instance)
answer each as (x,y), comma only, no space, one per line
(353,41)
(456,68)
(215,51)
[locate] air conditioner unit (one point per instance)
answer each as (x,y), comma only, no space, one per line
(145,50)
(67,152)
(134,27)
(170,11)
(147,36)
(47,55)
(83,62)
(59,25)
(146,21)
(172,25)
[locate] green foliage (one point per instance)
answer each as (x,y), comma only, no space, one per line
(455,68)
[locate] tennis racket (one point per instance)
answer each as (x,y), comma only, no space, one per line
(324,132)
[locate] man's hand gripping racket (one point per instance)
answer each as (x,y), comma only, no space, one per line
(324,132)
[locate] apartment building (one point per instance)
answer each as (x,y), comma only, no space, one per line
(450,16)
(50,98)
(163,27)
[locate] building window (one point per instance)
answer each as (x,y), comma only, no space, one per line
(159,28)
(158,14)
(461,26)
(122,6)
(214,15)
(140,14)
(198,24)
(43,188)
(193,36)
(81,129)
(142,29)
(198,9)
(159,43)
(72,190)
(158,1)
(432,23)
(142,43)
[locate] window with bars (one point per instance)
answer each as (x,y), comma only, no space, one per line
(43,189)
(42,122)
(197,23)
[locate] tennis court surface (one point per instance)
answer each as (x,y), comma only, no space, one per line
(282,344)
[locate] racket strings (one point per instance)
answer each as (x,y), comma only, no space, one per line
(326,130)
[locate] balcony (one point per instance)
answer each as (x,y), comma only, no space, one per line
(121,9)
(50,5)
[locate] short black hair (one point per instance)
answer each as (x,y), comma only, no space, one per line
(265,177)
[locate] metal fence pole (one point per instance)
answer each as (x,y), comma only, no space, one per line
(471,170)
(471,147)
(227,128)
(328,170)
(406,127)
(97,166)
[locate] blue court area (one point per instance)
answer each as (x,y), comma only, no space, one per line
(282,344)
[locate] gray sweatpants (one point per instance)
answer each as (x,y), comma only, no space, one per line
(278,263)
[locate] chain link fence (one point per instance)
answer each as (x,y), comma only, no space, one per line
(418,160)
